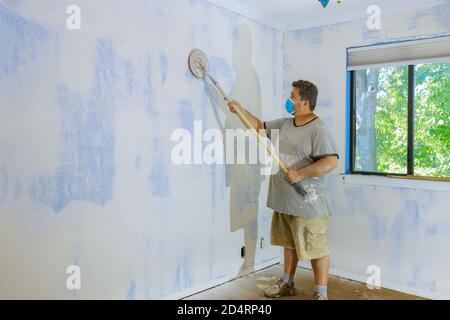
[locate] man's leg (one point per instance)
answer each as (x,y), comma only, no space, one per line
(290,265)
(321,268)
(286,285)
(281,235)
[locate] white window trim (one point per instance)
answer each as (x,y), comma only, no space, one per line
(374,180)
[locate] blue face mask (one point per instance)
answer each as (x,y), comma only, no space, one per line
(290,105)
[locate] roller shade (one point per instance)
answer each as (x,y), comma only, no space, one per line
(401,53)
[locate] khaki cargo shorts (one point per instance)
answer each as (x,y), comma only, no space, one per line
(309,237)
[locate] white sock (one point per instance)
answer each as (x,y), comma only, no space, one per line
(288,278)
(322,290)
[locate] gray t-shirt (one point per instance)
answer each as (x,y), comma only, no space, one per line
(300,146)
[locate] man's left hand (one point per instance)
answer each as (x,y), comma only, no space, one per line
(294,175)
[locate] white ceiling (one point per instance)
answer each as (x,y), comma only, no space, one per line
(287,15)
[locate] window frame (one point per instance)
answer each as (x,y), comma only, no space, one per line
(410,134)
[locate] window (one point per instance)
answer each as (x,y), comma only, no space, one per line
(432,120)
(400,114)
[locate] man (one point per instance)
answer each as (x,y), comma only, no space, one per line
(300,224)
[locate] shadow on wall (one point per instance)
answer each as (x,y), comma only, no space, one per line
(244,180)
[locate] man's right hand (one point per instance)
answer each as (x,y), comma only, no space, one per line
(249,120)
(233,105)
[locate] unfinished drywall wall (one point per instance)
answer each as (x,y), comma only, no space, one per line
(403,230)
(86,176)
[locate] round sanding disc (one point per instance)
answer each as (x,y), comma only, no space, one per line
(198,58)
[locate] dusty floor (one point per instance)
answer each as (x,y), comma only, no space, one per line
(250,288)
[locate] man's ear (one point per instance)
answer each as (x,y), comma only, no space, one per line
(308,105)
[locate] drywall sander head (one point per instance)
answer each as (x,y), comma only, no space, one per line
(198,63)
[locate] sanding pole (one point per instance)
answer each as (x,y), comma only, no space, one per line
(297,186)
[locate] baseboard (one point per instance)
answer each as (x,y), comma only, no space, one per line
(392,286)
(222,280)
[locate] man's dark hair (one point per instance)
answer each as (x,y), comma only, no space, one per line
(308,91)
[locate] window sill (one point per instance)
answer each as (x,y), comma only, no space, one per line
(395,182)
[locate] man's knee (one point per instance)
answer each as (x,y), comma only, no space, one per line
(321,259)
(290,251)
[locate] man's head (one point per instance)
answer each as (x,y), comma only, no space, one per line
(304,94)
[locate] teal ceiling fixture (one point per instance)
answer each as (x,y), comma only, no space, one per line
(324,3)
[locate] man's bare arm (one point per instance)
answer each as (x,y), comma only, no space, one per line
(319,168)
(254,121)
